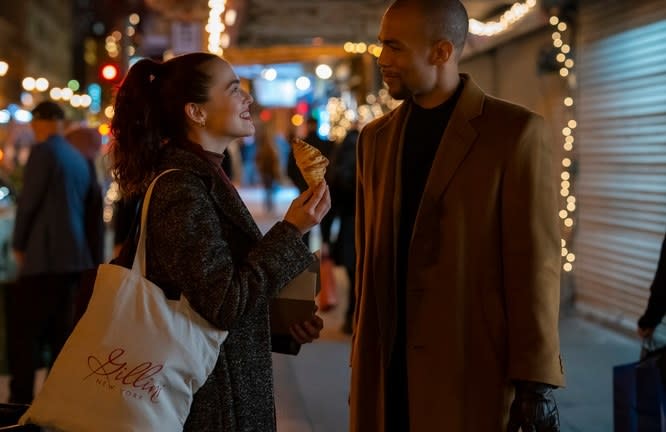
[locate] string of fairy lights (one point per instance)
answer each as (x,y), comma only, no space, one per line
(514,14)
(343,112)
(218,35)
(561,34)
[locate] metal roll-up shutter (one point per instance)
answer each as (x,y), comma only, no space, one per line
(621,152)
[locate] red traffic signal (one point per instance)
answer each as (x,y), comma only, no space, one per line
(110,72)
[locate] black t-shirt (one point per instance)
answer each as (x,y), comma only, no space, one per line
(423,135)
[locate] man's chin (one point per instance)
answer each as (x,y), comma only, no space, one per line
(398,93)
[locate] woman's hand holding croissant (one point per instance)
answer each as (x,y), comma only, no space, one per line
(309,208)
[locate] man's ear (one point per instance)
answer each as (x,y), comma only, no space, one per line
(442,51)
(195,113)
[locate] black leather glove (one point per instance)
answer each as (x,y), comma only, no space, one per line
(533,409)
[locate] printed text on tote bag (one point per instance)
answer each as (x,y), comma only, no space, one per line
(138,381)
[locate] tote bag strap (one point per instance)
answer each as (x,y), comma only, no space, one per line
(140,256)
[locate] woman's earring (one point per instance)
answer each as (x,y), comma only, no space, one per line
(203,123)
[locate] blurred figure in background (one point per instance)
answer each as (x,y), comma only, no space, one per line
(89,143)
(267,162)
(342,183)
(326,148)
(293,172)
(248,151)
(50,247)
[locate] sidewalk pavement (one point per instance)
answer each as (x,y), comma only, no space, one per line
(312,388)
(590,351)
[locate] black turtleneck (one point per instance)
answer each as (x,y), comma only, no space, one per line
(423,134)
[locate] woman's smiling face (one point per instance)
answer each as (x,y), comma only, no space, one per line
(227,111)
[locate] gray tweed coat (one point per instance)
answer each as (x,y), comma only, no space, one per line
(203,242)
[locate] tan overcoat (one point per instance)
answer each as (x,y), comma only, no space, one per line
(483,275)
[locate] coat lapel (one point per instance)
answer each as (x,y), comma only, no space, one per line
(390,140)
(456,143)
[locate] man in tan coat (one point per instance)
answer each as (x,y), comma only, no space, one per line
(458,246)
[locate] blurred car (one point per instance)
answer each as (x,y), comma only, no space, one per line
(8,199)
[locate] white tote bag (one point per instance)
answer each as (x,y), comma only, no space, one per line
(134,360)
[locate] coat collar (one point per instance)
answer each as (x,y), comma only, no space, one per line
(225,196)
(456,143)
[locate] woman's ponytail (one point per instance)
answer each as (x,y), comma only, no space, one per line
(136,126)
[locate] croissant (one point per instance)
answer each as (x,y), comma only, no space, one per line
(310,162)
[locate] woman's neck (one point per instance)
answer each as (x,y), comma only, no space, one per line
(208,142)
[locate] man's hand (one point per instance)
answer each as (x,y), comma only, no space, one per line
(307,331)
(534,409)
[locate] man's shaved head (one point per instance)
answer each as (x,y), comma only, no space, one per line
(444,19)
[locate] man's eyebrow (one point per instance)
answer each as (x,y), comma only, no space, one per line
(232,83)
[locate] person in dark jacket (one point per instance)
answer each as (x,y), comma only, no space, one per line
(656,307)
(326,148)
(342,175)
(89,143)
(50,246)
(267,162)
(312,138)
(201,239)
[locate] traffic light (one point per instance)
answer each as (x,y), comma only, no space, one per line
(109,79)
(109,72)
